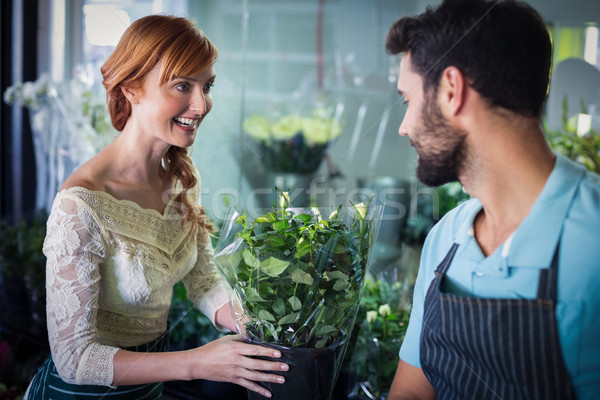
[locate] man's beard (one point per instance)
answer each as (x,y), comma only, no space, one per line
(442,148)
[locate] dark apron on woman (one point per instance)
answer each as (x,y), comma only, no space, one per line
(47,384)
(479,348)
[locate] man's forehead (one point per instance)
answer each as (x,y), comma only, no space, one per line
(406,75)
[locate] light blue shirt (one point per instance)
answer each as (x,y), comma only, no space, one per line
(568,209)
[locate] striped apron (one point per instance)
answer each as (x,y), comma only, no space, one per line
(47,384)
(478,348)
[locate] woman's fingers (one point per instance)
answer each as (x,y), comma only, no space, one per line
(254,387)
(244,368)
(246,352)
(252,350)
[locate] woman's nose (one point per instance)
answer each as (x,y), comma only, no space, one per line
(198,104)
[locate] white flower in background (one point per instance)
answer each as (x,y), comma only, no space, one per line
(334,214)
(317,213)
(10,95)
(28,94)
(287,127)
(258,127)
(361,210)
(371,316)
(384,310)
(317,129)
(284,200)
(320,131)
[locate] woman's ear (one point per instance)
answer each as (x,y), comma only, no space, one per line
(452,91)
(132,94)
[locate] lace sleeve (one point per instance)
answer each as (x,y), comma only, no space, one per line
(205,286)
(74,248)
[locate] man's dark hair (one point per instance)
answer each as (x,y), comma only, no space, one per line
(502,47)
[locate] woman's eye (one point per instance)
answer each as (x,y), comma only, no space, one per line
(208,87)
(182,86)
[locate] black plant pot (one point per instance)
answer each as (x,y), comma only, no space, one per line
(312,373)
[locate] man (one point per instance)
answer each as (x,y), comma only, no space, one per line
(506,303)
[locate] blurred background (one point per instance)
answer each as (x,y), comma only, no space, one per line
(305,100)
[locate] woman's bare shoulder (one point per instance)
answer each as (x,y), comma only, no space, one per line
(89,175)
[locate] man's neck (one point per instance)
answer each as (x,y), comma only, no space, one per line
(506,173)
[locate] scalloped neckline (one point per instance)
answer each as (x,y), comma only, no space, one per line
(124,201)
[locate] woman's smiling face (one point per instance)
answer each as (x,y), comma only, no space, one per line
(173,110)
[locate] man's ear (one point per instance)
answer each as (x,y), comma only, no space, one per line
(452,93)
(132,94)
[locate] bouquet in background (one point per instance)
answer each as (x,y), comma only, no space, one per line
(293,143)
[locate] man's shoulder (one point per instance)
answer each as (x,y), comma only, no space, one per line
(456,220)
(586,200)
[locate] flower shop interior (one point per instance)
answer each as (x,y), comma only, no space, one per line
(305,100)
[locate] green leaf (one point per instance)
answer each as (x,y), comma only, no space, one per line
(261,220)
(337,275)
(250,259)
(295,303)
(305,218)
(275,241)
(259,237)
(279,306)
(302,251)
(321,343)
(245,235)
(273,266)
(266,316)
(280,225)
(289,319)
(340,285)
(252,295)
(300,276)
(326,330)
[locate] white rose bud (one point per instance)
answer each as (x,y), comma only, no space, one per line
(361,210)
(334,214)
(284,199)
(384,310)
(371,316)
(316,212)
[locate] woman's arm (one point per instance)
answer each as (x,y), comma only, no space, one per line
(225,360)
(74,248)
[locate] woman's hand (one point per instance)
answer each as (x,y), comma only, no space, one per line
(227,360)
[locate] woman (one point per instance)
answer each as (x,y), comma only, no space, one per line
(125,227)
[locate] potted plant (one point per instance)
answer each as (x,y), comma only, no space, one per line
(583,148)
(297,280)
(12,274)
(34,264)
(380,328)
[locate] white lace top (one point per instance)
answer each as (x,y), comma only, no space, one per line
(110,274)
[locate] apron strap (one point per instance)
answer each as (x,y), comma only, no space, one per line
(445,264)
(547,287)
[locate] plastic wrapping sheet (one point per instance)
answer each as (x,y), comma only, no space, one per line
(289,294)
(297,280)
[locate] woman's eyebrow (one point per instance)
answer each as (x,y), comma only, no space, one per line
(189,78)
